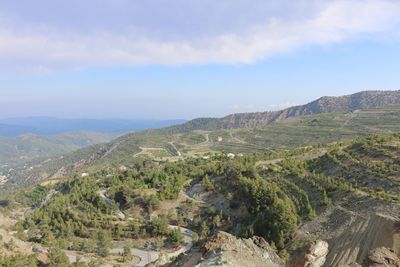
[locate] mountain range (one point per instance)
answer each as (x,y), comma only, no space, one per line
(348,103)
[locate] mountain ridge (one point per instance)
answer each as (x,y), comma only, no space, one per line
(285,133)
(347,103)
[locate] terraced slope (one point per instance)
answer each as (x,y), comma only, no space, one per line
(289,198)
(300,131)
(371,164)
(347,194)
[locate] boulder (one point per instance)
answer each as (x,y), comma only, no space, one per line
(382,257)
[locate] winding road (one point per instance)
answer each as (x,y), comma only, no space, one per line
(146,256)
(150,256)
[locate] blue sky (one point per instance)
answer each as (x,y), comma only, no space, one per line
(185,59)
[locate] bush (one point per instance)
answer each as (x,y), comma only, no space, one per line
(10,245)
(175,237)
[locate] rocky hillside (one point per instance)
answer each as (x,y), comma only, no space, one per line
(226,250)
(331,205)
(348,103)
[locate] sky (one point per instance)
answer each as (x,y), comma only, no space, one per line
(169,59)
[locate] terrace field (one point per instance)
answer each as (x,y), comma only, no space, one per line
(309,130)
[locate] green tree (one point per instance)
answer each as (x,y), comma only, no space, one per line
(207,183)
(175,237)
(58,258)
(159,226)
(103,242)
(205,230)
(126,254)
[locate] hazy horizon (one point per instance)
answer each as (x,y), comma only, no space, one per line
(87,118)
(149,119)
(159,60)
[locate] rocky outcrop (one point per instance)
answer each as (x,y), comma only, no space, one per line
(382,257)
(313,255)
(228,251)
(361,235)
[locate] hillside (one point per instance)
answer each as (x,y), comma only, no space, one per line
(298,131)
(333,204)
(24,148)
(349,103)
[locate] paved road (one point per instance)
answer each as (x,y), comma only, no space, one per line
(146,256)
(188,237)
(150,256)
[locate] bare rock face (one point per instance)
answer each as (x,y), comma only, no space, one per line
(382,257)
(313,255)
(317,255)
(230,251)
(360,236)
(348,103)
(226,250)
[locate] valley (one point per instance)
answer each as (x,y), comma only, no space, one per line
(320,189)
(25,148)
(206,195)
(155,144)
(200,133)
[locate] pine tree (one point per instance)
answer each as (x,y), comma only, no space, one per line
(103,243)
(58,258)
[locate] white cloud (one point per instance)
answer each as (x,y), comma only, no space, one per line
(43,47)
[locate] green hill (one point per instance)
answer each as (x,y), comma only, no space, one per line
(297,131)
(18,151)
(272,195)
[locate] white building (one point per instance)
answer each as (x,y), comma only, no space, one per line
(230,155)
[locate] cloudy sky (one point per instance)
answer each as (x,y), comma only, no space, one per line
(184,59)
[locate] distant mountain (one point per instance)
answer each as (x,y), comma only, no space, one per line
(51,126)
(348,103)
